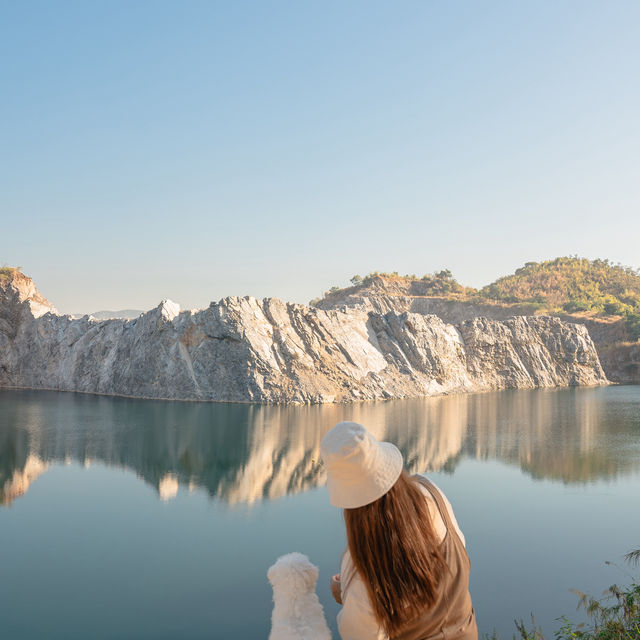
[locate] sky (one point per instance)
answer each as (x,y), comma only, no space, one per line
(195,150)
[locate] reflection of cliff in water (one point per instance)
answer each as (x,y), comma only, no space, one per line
(244,453)
(573,436)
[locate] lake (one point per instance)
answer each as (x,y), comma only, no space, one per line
(124,518)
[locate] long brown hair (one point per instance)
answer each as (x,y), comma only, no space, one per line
(395,550)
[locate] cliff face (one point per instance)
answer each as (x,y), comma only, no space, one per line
(620,359)
(246,350)
(451,311)
(19,298)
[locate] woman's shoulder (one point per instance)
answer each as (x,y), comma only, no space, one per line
(446,502)
(421,477)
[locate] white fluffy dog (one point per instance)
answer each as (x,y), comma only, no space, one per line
(297,612)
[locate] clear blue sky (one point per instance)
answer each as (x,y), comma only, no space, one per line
(194,150)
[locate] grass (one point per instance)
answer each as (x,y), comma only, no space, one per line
(6,272)
(614,616)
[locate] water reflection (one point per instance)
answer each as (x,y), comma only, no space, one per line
(244,453)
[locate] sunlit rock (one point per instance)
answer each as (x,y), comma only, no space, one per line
(270,351)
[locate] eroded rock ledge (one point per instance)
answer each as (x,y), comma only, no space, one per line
(249,350)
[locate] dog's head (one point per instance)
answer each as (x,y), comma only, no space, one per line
(293,574)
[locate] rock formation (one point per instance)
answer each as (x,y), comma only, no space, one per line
(620,359)
(248,350)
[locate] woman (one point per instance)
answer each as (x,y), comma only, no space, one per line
(405,572)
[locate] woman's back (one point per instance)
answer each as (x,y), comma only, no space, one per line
(450,616)
(406,575)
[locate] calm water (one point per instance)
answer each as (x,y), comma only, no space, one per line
(138,519)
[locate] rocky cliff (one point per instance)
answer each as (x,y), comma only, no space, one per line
(248,350)
(620,359)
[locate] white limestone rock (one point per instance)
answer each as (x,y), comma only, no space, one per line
(249,350)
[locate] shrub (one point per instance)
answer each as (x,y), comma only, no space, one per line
(6,272)
(632,323)
(575,306)
(615,616)
(615,307)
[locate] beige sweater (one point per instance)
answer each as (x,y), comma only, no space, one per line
(356,620)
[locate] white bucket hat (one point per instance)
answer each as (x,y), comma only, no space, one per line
(359,468)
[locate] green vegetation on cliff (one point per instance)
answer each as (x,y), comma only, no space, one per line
(570,284)
(441,283)
(574,285)
(7,272)
(567,285)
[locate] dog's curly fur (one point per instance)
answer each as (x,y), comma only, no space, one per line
(297,612)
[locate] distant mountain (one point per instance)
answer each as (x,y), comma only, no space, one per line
(127,314)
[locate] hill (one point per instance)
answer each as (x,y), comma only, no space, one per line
(573,285)
(597,293)
(564,286)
